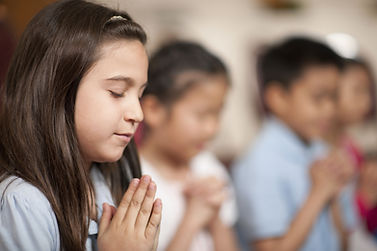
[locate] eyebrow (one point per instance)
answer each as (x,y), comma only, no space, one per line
(121,78)
(126,80)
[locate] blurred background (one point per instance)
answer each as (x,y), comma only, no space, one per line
(236,30)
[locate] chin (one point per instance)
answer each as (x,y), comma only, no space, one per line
(109,158)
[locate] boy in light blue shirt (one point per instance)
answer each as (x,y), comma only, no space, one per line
(287,185)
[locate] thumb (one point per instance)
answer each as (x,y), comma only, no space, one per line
(106,218)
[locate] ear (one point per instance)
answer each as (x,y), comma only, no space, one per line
(276,98)
(154,111)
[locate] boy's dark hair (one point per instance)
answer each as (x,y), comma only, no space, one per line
(174,59)
(284,62)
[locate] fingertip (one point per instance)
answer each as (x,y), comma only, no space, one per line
(158,204)
(146,179)
(135,182)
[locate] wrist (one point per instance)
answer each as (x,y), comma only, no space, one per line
(320,195)
(191,224)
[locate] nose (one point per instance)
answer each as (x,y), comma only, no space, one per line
(133,112)
(211,127)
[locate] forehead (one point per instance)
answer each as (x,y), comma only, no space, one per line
(122,57)
(319,77)
(209,90)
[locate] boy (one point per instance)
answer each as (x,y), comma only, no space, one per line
(288,200)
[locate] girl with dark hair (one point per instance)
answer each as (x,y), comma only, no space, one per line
(70,106)
(356,104)
(182,104)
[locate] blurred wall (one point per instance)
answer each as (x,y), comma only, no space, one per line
(20,12)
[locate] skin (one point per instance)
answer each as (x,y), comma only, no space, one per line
(107,112)
(354,98)
(175,135)
(308,107)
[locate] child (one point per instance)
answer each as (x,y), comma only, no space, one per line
(287,199)
(354,105)
(182,104)
(70,107)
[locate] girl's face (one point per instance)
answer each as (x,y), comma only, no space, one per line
(107,109)
(354,97)
(193,120)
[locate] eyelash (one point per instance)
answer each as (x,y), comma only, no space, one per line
(117,95)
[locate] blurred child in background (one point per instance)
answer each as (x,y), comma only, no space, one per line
(355,103)
(287,185)
(182,104)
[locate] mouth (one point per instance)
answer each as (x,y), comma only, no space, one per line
(126,137)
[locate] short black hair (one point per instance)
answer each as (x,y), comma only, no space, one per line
(174,59)
(284,62)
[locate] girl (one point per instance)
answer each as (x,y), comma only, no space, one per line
(70,106)
(182,104)
(355,103)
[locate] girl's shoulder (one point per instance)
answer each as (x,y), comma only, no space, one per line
(27,220)
(16,186)
(14,191)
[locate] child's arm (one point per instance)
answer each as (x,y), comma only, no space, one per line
(223,236)
(187,230)
(197,215)
(204,198)
(324,186)
(339,225)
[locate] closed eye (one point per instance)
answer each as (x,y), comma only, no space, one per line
(116,94)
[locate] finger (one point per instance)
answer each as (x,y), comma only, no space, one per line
(136,201)
(113,210)
(126,200)
(146,208)
(218,198)
(106,218)
(154,221)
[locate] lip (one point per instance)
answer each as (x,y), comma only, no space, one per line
(125,137)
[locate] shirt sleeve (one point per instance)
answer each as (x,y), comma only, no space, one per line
(263,209)
(27,222)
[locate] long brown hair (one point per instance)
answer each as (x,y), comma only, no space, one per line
(38,142)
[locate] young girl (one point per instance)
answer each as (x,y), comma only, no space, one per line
(70,106)
(182,104)
(354,104)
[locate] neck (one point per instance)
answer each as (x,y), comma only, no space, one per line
(167,163)
(335,135)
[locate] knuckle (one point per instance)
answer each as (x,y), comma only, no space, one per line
(145,211)
(154,223)
(124,203)
(135,203)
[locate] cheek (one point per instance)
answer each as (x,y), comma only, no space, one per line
(183,128)
(304,108)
